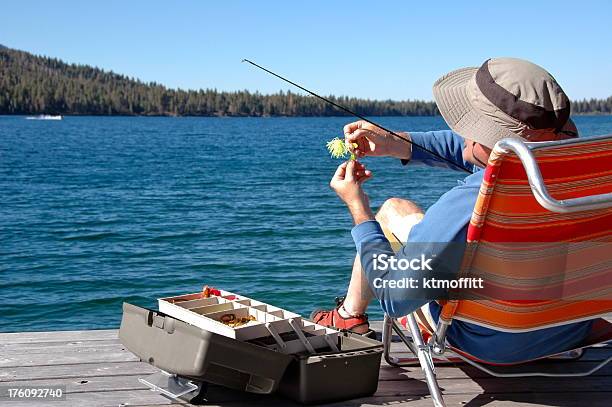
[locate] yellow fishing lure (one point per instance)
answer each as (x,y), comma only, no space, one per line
(338,148)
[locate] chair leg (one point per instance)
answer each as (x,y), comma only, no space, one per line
(426,361)
(390,326)
(387,336)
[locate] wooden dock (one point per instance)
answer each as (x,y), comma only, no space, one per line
(98,371)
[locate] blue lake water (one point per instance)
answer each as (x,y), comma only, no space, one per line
(95,211)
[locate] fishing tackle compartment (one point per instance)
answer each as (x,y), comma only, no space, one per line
(192,340)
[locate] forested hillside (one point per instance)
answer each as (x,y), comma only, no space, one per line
(31,84)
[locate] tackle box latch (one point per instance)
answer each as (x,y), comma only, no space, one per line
(161,322)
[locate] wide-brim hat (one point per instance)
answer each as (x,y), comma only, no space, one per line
(505,97)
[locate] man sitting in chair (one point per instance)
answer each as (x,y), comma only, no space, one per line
(505,97)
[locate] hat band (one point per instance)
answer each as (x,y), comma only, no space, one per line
(536,117)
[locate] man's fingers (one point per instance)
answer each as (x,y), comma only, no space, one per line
(362,139)
(350,171)
(361,170)
(363,146)
(366,176)
(341,170)
(351,127)
(356,135)
(359,166)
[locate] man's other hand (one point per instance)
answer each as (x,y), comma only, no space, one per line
(372,141)
(347,183)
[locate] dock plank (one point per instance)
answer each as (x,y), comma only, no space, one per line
(45,347)
(82,370)
(53,358)
(57,336)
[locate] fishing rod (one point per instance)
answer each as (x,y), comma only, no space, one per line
(349,111)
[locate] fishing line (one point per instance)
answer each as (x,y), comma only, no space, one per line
(347,110)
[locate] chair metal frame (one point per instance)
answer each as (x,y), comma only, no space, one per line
(436,346)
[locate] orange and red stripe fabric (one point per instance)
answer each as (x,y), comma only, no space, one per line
(542,268)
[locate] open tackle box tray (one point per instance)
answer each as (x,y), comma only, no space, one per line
(271,349)
(260,320)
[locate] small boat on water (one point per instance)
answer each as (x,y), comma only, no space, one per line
(45,117)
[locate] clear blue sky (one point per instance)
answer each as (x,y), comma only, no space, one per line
(366,49)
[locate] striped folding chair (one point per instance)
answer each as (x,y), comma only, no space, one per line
(543,196)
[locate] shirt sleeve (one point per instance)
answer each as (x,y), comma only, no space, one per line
(440,236)
(446,143)
(371,241)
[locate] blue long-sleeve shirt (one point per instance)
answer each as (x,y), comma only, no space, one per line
(442,231)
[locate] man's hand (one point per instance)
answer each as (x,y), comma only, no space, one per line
(347,182)
(372,141)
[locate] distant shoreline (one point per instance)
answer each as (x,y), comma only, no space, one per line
(34,85)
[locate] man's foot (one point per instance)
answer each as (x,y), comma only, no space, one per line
(340,319)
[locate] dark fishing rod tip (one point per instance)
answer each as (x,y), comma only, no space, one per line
(349,111)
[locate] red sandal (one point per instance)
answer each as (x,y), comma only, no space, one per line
(333,319)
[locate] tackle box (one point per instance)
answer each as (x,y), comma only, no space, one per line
(269,349)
